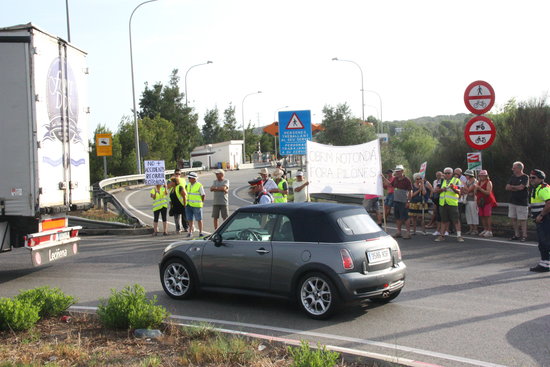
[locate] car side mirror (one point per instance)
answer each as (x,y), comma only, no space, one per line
(217,239)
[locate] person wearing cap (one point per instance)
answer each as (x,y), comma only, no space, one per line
(262,196)
(220,205)
(486,201)
(518,207)
(160,207)
(267,182)
(281,191)
(401,197)
(195,202)
(472,217)
(299,186)
(540,210)
(435,221)
(448,204)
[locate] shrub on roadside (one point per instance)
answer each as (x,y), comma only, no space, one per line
(130,308)
(17,314)
(50,301)
(304,356)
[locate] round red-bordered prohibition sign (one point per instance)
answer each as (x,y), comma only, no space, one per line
(480,132)
(479,97)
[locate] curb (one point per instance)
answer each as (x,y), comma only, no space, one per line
(347,354)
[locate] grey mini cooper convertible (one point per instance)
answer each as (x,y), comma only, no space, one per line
(320,254)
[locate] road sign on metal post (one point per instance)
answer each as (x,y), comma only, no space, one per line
(479,97)
(294,131)
(480,132)
(474,161)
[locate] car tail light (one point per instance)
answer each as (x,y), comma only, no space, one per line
(347,261)
(74,233)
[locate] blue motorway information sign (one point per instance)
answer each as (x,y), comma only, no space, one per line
(294,131)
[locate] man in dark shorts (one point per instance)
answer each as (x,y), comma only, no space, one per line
(401,197)
(518,207)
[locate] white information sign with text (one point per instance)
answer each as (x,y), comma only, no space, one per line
(352,169)
(154,172)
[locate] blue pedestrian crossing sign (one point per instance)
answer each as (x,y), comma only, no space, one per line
(294,131)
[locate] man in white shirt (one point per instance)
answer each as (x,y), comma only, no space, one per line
(299,186)
(267,182)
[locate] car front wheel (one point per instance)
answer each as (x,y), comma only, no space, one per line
(317,296)
(177,280)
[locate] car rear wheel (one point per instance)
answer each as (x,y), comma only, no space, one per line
(390,297)
(177,280)
(317,296)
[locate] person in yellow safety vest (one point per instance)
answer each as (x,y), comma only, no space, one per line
(280,193)
(540,210)
(449,193)
(195,200)
(159,194)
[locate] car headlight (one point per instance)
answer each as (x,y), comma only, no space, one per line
(170,246)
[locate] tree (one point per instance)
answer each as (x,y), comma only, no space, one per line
(230,131)
(96,163)
(417,145)
(251,142)
(211,130)
(343,129)
(167,102)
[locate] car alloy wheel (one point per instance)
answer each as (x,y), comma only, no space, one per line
(177,279)
(317,296)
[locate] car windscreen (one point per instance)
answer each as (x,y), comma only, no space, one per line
(357,224)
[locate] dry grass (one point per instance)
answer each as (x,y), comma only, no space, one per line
(84,342)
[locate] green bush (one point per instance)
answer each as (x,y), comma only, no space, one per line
(16,314)
(130,308)
(304,356)
(50,301)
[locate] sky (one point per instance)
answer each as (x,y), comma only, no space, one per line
(416,57)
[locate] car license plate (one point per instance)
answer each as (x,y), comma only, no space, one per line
(379,255)
(63,236)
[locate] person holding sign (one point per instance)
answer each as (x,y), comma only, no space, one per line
(159,194)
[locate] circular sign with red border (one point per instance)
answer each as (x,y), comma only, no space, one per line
(480,132)
(479,97)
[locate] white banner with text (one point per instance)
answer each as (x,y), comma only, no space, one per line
(352,169)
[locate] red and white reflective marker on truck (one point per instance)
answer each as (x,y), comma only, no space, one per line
(479,97)
(480,132)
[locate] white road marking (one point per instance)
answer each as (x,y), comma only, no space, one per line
(234,193)
(390,346)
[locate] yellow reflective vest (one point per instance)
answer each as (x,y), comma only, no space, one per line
(449,197)
(277,196)
(538,200)
(194,197)
(161,198)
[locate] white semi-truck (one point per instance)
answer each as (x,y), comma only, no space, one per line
(44,155)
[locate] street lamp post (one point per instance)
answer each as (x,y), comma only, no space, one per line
(276,119)
(138,160)
(204,63)
(244,129)
(362,89)
(380,100)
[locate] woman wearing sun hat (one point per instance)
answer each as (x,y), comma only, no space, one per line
(485,201)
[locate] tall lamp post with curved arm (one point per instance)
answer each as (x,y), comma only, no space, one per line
(380,100)
(138,159)
(187,72)
(362,89)
(244,129)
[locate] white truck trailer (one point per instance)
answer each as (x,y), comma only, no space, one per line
(44,155)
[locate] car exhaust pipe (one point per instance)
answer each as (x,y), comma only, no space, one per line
(386,294)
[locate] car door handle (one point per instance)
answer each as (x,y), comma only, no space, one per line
(262,251)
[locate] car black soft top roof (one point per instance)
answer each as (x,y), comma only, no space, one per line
(313,222)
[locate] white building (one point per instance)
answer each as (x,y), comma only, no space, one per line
(228,153)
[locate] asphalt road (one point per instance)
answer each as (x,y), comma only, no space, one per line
(470,304)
